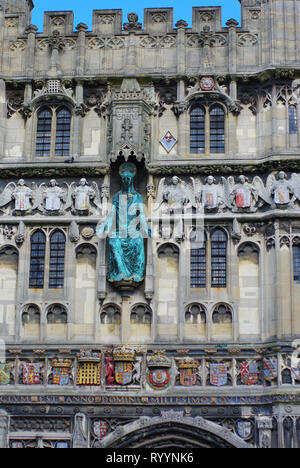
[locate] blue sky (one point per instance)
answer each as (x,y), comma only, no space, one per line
(83,9)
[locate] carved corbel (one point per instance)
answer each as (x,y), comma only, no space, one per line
(264,425)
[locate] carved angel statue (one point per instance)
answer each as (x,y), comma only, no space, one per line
(174,196)
(172,199)
(279,192)
(49,198)
(241,196)
(83,196)
(210,195)
(20,193)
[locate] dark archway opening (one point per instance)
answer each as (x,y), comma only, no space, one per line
(171,436)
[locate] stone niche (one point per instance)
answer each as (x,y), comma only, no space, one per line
(62,21)
(107,22)
(158,20)
(206,17)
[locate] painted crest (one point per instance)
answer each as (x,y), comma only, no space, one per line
(89,368)
(159,378)
(158,374)
(61,371)
(100,429)
(124,359)
(207,83)
(270,369)
(218,374)
(244,429)
(31,373)
(243,198)
(188,372)
(249,372)
(5,374)
(168,142)
(123,372)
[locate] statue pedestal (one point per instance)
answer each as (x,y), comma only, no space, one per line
(126,287)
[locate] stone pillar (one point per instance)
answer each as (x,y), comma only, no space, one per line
(30,55)
(232,47)
(264,425)
(77,122)
(182,124)
(130,66)
(2,23)
(4,425)
(2,116)
(181,25)
(81,28)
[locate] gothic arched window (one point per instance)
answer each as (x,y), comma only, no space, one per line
(57,260)
(217,129)
(198,264)
(197,130)
(43,134)
(296,263)
(293,120)
(37,260)
(63,128)
(218,259)
(53,132)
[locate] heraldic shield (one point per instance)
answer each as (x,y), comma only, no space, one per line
(188,372)
(244,429)
(249,373)
(123,372)
(124,359)
(100,429)
(270,369)
(218,374)
(5,374)
(31,374)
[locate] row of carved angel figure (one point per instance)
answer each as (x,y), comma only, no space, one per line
(239,195)
(172,196)
(51,199)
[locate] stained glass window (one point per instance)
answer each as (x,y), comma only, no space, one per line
(218,259)
(217,130)
(63,128)
(296,262)
(37,260)
(43,135)
(197,130)
(57,260)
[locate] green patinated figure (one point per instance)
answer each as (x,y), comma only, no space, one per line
(126,227)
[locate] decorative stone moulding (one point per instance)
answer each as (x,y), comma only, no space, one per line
(53,90)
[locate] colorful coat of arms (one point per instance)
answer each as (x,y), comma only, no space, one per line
(249,372)
(31,373)
(123,372)
(244,429)
(5,374)
(188,372)
(61,371)
(270,369)
(123,365)
(100,429)
(89,368)
(158,374)
(218,374)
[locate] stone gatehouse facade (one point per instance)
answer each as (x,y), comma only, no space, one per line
(204,350)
